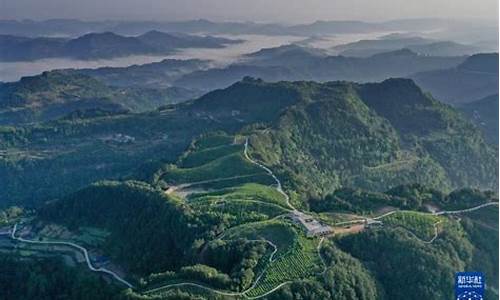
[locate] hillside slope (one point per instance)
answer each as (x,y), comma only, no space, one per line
(475,78)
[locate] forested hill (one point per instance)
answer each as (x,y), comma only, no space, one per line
(52,95)
(374,136)
(318,136)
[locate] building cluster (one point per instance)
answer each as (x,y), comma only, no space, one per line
(312,226)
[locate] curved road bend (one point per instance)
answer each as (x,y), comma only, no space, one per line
(278,182)
(271,259)
(82,249)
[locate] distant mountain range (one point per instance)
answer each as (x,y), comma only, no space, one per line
(294,62)
(70,27)
(475,78)
(424,46)
(103,45)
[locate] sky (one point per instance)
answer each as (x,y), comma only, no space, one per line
(283,11)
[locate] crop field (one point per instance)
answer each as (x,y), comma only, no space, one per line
(85,235)
(283,235)
(198,158)
(238,211)
(224,167)
(422,225)
(249,191)
(223,183)
(300,262)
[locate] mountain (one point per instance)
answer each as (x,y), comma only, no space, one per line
(318,137)
(300,63)
(15,48)
(371,136)
(484,113)
(103,45)
(55,94)
(475,78)
(166,42)
(286,55)
(423,46)
(153,75)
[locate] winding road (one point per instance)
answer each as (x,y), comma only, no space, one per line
(82,249)
(439,213)
(279,187)
(454,212)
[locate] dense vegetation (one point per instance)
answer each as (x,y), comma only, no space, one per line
(374,136)
(393,256)
(48,279)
